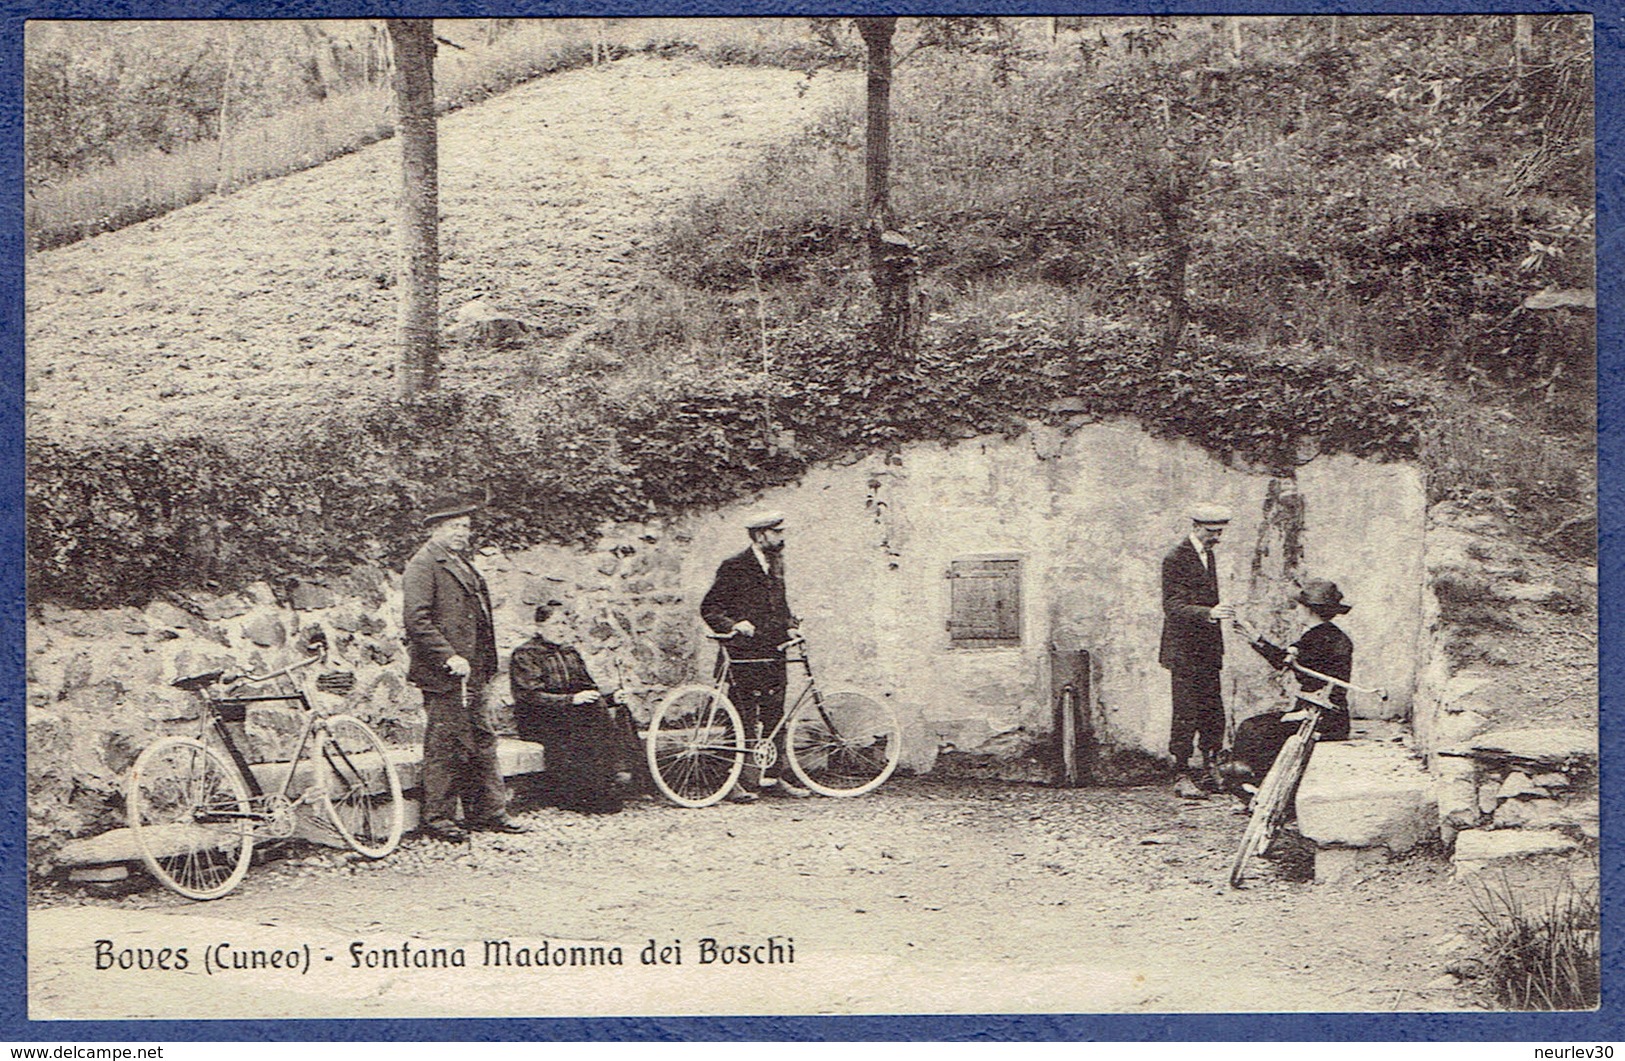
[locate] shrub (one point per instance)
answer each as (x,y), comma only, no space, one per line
(121,521)
(1543,956)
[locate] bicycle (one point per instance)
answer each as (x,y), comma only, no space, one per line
(1280,784)
(837,744)
(196,814)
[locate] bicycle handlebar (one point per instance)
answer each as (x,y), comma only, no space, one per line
(1379,693)
(321,654)
(794,641)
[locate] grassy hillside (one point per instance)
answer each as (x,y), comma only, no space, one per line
(1364,220)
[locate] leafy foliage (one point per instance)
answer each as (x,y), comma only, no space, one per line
(163,516)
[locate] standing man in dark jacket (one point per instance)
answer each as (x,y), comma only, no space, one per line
(452,649)
(747,599)
(1193,647)
(558,705)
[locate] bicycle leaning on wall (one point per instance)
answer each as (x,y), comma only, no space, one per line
(196,807)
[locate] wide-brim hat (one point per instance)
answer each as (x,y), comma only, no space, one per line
(1322,595)
(1213,515)
(764,520)
(448,506)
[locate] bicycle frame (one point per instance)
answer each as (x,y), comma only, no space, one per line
(725,667)
(214,721)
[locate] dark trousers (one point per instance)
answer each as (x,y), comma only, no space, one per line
(1198,712)
(757,690)
(460,759)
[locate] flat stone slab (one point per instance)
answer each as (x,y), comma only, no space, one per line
(1536,744)
(514,757)
(1366,794)
(1478,848)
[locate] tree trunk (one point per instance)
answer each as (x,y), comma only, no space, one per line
(223,159)
(877,35)
(1170,199)
(891,258)
(418,277)
(1523,42)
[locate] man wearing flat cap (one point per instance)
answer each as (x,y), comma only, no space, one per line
(558,705)
(451,645)
(1193,648)
(747,599)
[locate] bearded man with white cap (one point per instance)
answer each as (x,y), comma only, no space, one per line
(747,599)
(1193,648)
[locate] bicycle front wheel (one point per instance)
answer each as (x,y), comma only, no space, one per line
(695,746)
(1272,802)
(188,807)
(843,743)
(360,787)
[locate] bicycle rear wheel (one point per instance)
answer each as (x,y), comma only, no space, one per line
(843,743)
(361,789)
(695,746)
(189,809)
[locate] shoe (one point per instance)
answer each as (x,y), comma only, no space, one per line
(741,794)
(445,830)
(500,825)
(1185,788)
(789,789)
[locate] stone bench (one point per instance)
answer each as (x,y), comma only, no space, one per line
(1363,800)
(117,846)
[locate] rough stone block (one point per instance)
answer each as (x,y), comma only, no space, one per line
(1517,784)
(311,596)
(1339,863)
(1546,814)
(265,631)
(1478,849)
(1455,789)
(1359,794)
(1542,744)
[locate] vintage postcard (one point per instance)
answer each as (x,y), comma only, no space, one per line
(623,517)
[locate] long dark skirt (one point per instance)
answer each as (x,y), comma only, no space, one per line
(581,756)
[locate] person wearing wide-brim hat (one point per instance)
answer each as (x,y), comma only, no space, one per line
(452,654)
(1323,647)
(1192,648)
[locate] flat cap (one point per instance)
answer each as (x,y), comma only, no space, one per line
(1216,514)
(764,520)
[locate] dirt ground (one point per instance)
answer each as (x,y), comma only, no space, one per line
(922,897)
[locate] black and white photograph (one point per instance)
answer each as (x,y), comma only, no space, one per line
(872,515)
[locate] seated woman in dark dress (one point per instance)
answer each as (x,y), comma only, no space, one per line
(558,705)
(1324,647)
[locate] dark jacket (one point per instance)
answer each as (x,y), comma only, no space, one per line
(446,610)
(545,678)
(1190,639)
(1323,647)
(741,592)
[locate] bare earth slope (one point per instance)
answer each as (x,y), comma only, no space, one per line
(276,301)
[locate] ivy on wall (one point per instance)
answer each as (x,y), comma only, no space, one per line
(117,522)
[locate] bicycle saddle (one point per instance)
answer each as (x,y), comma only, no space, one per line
(198,681)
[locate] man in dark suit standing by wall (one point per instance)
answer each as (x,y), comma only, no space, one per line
(747,598)
(1193,647)
(452,648)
